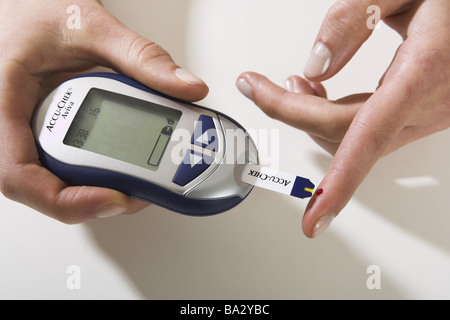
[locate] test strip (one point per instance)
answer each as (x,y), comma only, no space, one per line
(277,181)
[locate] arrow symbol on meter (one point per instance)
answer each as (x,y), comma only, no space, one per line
(195,159)
(204,138)
(208,140)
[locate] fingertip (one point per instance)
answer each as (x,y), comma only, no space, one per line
(188,77)
(110,210)
(78,204)
(243,85)
(321,211)
(316,226)
(247,76)
(318,62)
(192,88)
(250,77)
(343,31)
(258,87)
(173,81)
(248,84)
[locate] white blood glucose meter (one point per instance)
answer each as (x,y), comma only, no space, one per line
(107,130)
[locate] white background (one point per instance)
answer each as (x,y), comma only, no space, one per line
(398,220)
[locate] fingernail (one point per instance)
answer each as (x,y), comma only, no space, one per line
(291,86)
(244,87)
(318,61)
(322,224)
(187,76)
(110,211)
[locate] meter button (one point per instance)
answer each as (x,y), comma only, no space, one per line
(193,165)
(205,134)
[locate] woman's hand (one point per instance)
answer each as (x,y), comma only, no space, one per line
(39,49)
(411,102)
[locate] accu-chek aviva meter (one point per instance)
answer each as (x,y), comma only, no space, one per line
(107,130)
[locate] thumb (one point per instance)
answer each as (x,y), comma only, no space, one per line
(107,41)
(347,25)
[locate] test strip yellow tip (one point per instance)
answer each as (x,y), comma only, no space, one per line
(309,190)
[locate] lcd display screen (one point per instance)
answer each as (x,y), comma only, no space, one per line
(121,127)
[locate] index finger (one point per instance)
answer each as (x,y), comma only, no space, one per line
(378,122)
(315,115)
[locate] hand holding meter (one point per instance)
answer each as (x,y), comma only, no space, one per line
(107,130)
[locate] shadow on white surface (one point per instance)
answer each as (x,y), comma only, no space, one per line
(410,188)
(256,251)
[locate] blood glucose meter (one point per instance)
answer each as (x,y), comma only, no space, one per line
(107,130)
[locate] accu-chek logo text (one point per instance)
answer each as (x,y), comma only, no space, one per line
(265,177)
(62,109)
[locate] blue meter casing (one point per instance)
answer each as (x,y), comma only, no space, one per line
(107,130)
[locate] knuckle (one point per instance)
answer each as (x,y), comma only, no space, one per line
(7,188)
(428,61)
(7,184)
(274,109)
(141,50)
(378,135)
(69,202)
(270,110)
(335,131)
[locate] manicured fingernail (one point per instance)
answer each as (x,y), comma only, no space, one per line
(318,61)
(187,76)
(244,87)
(291,86)
(322,224)
(109,211)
